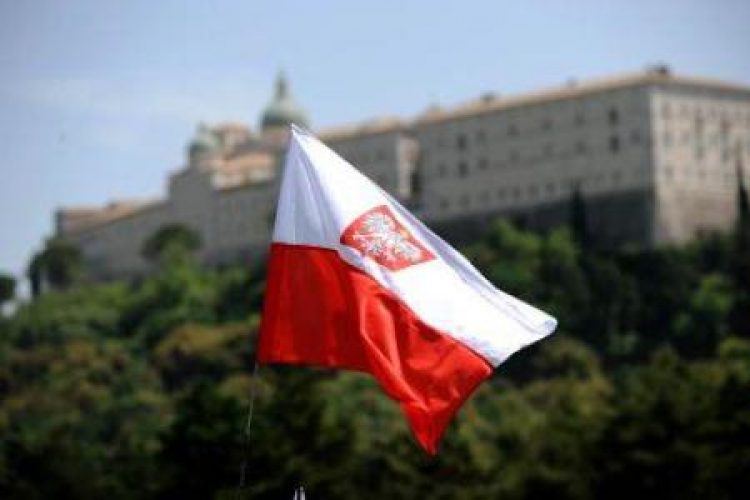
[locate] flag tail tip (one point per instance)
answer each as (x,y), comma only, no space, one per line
(549,326)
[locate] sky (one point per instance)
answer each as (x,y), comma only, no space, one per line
(99,99)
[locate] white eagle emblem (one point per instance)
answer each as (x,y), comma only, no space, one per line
(378,235)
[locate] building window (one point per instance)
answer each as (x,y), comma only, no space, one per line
(482,163)
(465,201)
(514,156)
(614,116)
(614,144)
(463,169)
(481,137)
(547,125)
(501,194)
(580,118)
(725,154)
(461,142)
(699,125)
(512,131)
(667,138)
(581,148)
(726,127)
(666,110)
(635,137)
(442,170)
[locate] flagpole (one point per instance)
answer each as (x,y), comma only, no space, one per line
(246,445)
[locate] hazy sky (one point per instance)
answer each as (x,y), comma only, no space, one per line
(98,99)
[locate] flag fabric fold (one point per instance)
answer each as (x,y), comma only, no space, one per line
(356,282)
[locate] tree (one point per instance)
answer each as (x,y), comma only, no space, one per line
(563,289)
(7,288)
(742,197)
(64,264)
(579,218)
(35,273)
(740,317)
(201,448)
(173,242)
(703,323)
(666,282)
(680,428)
(141,389)
(240,292)
(509,257)
(59,265)
(610,322)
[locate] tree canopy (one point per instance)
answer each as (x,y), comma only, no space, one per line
(7,288)
(58,266)
(170,242)
(141,389)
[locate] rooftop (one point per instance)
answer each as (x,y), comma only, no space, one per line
(369,127)
(81,218)
(657,75)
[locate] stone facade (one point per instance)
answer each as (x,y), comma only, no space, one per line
(657,158)
(384,150)
(701,145)
(650,175)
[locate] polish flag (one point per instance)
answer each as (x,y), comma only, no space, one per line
(356,282)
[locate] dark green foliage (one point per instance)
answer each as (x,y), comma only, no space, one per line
(59,266)
(579,223)
(171,242)
(34,273)
(180,293)
(741,263)
(7,288)
(63,265)
(240,291)
(671,426)
(743,202)
(201,449)
(141,390)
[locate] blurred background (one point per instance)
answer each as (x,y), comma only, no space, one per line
(592,158)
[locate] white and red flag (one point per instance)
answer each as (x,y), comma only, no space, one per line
(356,282)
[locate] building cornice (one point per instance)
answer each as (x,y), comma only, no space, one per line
(575,89)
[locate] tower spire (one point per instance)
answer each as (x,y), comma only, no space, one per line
(282,111)
(282,86)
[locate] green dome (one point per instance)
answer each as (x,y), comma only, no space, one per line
(205,140)
(282,111)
